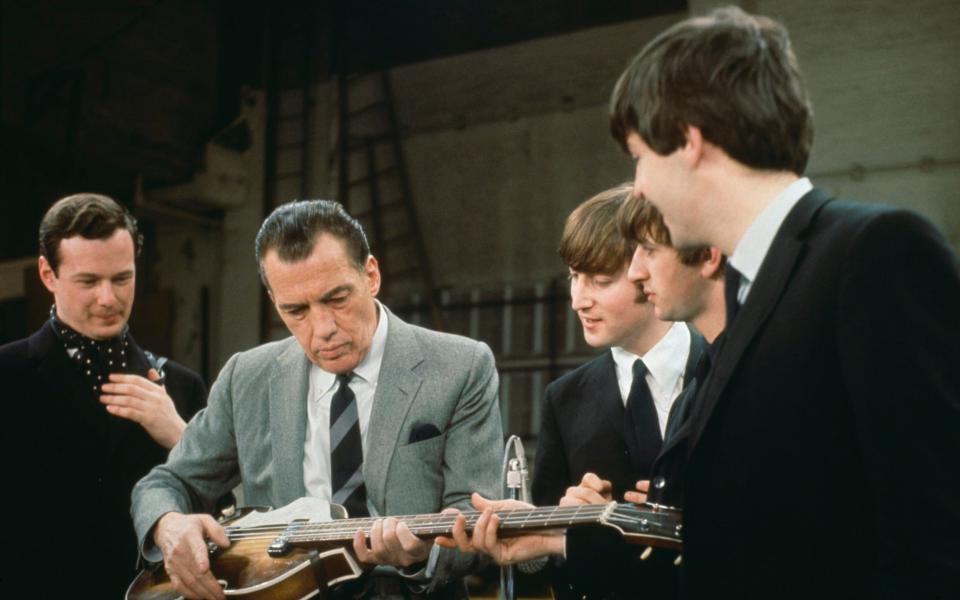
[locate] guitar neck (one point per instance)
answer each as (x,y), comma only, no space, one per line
(517,522)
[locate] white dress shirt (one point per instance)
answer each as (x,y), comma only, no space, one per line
(752,248)
(665,362)
(323,385)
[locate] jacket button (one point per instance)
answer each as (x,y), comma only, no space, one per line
(659,482)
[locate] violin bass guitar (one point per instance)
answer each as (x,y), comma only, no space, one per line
(300,551)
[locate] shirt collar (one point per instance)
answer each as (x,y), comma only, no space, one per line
(755,243)
(369,368)
(662,360)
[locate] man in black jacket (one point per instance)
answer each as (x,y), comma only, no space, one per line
(590,421)
(681,285)
(89,412)
(586,426)
(822,456)
(839,359)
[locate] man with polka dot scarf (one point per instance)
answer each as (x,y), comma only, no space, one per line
(88,411)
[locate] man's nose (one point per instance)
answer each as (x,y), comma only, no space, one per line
(579,296)
(324,324)
(105,294)
(637,271)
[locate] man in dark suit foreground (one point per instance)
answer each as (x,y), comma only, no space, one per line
(823,452)
(88,411)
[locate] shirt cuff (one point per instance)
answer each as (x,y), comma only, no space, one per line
(151,553)
(422,571)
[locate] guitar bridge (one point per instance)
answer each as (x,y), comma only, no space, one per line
(280,546)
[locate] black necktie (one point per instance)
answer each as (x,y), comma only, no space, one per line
(641,427)
(731,291)
(346,451)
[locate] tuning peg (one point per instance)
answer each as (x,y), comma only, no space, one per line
(646,553)
(678,560)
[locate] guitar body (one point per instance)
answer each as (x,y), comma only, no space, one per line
(248,572)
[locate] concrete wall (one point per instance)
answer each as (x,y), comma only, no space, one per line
(885,83)
(503,143)
(215,253)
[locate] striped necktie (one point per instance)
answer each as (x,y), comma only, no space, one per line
(346,451)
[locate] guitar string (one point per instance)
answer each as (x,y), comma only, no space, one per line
(430,523)
(433,518)
(419,522)
(439,523)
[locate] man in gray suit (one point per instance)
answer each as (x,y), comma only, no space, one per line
(357,407)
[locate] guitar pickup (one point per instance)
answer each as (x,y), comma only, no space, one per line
(280,546)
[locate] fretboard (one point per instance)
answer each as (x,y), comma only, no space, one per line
(512,522)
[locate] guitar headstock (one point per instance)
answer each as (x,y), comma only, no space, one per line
(649,524)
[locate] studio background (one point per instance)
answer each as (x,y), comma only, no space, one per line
(461,134)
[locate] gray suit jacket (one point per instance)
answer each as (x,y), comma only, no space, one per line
(253,431)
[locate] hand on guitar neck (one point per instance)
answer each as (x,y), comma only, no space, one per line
(390,543)
(592,490)
(485,539)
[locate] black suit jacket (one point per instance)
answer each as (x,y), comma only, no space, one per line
(600,564)
(581,428)
(582,431)
(71,467)
(825,449)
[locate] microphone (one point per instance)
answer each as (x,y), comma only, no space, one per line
(513,473)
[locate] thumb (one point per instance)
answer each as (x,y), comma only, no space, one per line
(156,377)
(215,531)
(479,502)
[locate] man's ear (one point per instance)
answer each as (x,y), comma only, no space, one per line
(694,146)
(47,276)
(371,271)
(710,268)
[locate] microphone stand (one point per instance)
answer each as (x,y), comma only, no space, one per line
(515,478)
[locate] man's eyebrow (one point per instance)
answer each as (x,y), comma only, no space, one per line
(292,306)
(126,273)
(340,289)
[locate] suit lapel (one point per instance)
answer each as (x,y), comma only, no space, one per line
(678,425)
(288,389)
(765,293)
(698,347)
(138,362)
(397,386)
(55,369)
(601,383)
